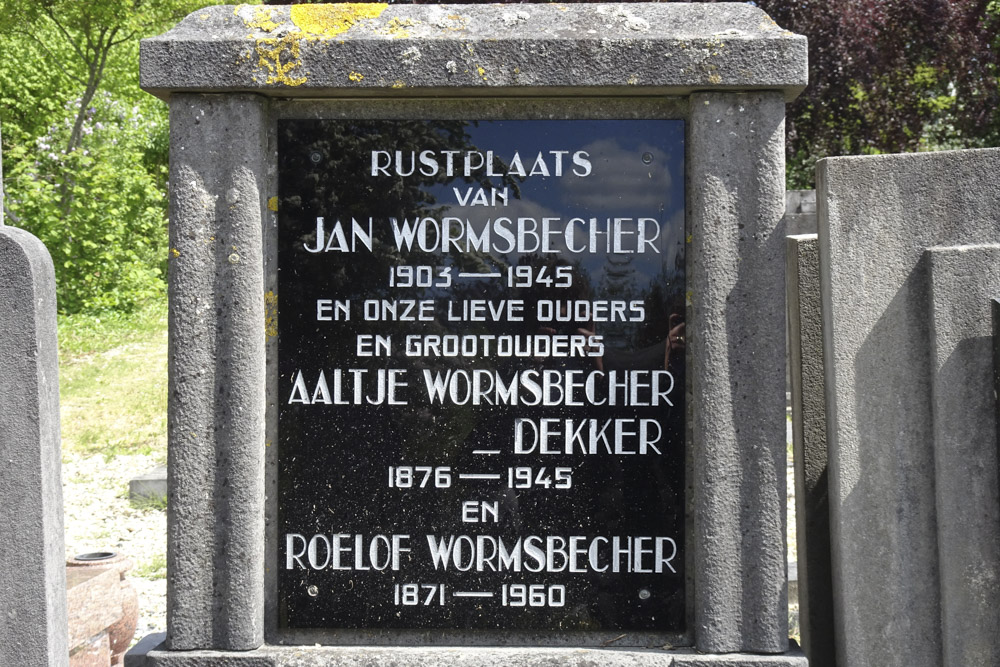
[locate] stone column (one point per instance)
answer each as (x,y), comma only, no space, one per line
(33,626)
(215,518)
(736,289)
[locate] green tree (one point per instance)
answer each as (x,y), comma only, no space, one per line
(85,148)
(99,208)
(78,38)
(892,76)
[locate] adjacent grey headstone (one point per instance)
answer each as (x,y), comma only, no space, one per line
(812,503)
(963,279)
(33,625)
(151,485)
(904,345)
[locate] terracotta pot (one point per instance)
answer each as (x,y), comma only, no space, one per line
(121,632)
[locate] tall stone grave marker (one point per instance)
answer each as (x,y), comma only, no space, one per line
(32,570)
(910,262)
(476,334)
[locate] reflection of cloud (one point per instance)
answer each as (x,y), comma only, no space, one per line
(621,177)
(673,239)
(516,208)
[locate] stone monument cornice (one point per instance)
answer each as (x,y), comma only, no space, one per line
(371,50)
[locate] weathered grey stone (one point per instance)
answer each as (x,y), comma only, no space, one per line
(215,517)
(737,350)
(963,280)
(800,212)
(317,656)
(877,217)
(736,195)
(33,627)
(995,303)
(496,49)
(152,485)
(812,504)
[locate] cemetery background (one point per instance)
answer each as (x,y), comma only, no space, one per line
(128,159)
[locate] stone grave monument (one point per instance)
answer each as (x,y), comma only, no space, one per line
(476,334)
(909,260)
(32,570)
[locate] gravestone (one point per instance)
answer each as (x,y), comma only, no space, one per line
(909,261)
(812,503)
(465,308)
(32,570)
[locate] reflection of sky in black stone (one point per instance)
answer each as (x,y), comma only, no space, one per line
(333,459)
(621,185)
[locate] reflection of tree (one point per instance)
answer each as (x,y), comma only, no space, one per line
(325,171)
(664,296)
(618,283)
(581,289)
(333,160)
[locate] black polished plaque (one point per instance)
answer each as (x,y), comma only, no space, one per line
(481,375)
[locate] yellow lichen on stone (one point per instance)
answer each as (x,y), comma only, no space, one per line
(330,20)
(397,28)
(270,314)
(279,57)
(272,204)
(174,252)
(482,72)
(714,79)
(263,19)
(399,84)
(355,76)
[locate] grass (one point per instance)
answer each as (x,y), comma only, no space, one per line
(154,568)
(113,382)
(146,503)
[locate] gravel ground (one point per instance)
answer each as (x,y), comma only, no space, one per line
(99,517)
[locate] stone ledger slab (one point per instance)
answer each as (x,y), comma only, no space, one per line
(152,485)
(315,656)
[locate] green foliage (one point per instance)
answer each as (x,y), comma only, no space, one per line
(32,92)
(99,208)
(85,150)
(891,76)
(156,566)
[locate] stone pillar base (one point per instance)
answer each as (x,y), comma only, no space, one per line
(150,653)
